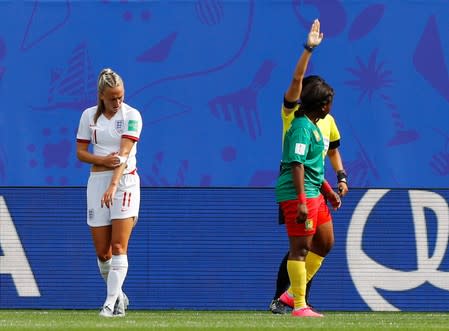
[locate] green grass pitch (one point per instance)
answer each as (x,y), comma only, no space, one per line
(218,320)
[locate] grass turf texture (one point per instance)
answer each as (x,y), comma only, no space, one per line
(218,320)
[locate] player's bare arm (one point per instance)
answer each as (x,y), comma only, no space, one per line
(337,165)
(125,148)
(298,181)
(314,38)
(109,161)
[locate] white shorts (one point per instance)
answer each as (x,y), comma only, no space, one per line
(126,201)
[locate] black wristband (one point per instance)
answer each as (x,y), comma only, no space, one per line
(308,48)
(342,176)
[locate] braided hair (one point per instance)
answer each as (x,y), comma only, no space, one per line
(107,78)
(315,94)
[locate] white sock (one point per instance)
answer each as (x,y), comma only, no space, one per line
(104,267)
(116,277)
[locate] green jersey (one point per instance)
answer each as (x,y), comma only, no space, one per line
(303,143)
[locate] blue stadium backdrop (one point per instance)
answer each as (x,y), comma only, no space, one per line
(208,77)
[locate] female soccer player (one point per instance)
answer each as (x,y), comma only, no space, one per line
(113,190)
(302,177)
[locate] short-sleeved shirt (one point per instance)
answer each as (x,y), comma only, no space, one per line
(106,134)
(327,125)
(303,143)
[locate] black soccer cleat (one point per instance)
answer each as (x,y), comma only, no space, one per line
(277,307)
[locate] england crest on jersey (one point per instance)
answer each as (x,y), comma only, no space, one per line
(119,124)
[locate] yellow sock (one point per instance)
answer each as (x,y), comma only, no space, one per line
(313,263)
(297,274)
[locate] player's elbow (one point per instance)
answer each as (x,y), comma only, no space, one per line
(79,155)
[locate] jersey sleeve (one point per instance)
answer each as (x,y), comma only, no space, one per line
(334,137)
(83,135)
(288,114)
(133,125)
(297,145)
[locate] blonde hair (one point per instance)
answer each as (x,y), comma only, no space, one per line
(107,78)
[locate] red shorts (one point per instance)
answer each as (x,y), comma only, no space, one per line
(318,213)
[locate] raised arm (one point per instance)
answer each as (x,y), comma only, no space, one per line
(314,38)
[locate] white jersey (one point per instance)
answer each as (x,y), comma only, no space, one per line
(106,134)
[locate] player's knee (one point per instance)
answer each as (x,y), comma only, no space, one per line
(327,247)
(323,248)
(103,257)
(118,249)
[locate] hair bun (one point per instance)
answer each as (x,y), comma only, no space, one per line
(106,71)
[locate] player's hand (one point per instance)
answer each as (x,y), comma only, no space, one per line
(342,189)
(314,37)
(334,199)
(302,213)
(108,196)
(111,160)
